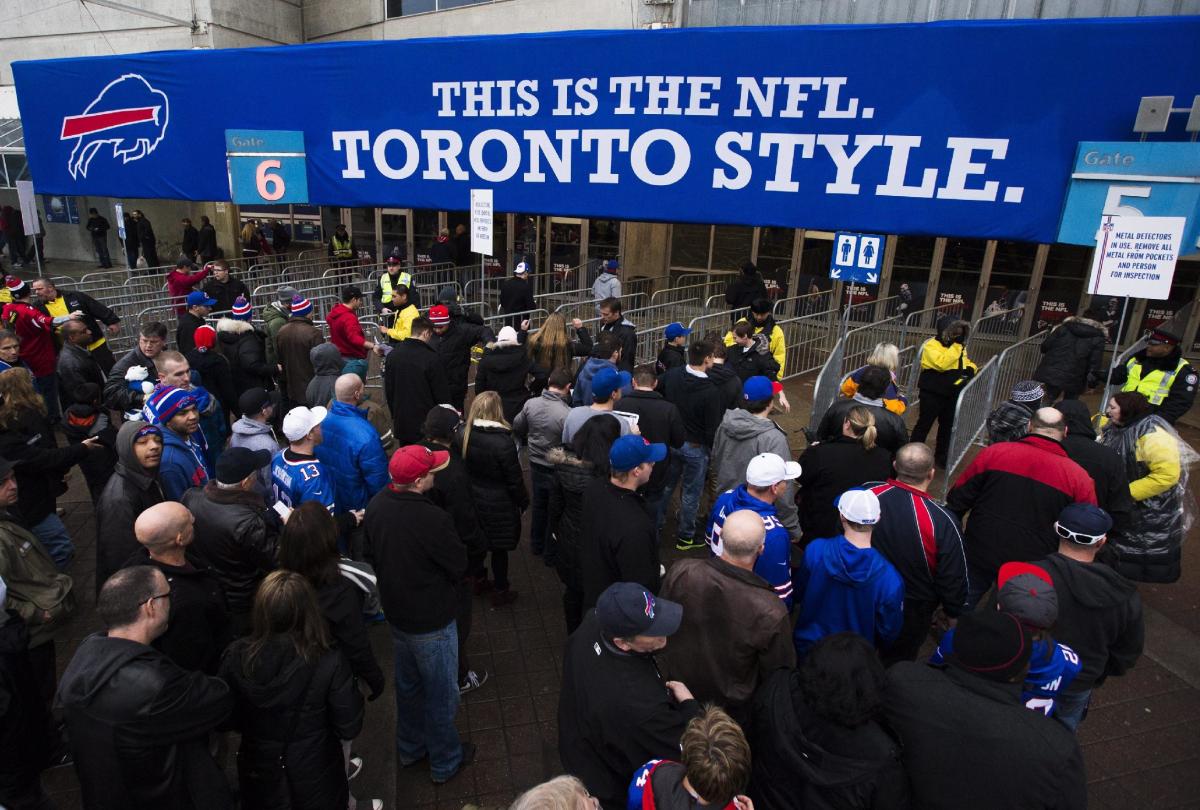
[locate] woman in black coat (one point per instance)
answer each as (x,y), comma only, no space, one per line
(505,368)
(832,467)
(490,454)
(575,467)
(296,701)
(246,350)
(1071,357)
(815,740)
(215,372)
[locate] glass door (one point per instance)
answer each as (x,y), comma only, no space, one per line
(563,237)
(393,233)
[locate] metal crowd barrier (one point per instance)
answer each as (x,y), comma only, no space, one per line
(808,339)
(828,385)
(806,304)
(865,312)
(514,319)
(990,386)
(992,333)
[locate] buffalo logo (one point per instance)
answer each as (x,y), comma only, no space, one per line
(649,604)
(129,114)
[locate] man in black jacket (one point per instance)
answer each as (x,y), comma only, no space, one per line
(699,403)
(414,380)
(189,242)
(198,629)
(98,227)
(237,536)
(453,337)
(132,378)
(615,712)
(611,320)
(76,365)
(659,421)
(421,561)
(138,723)
(206,244)
(1099,611)
(744,291)
(199,304)
(1102,463)
(923,542)
(891,433)
(55,302)
(619,543)
(146,239)
(224,288)
(131,489)
(968,740)
(516,295)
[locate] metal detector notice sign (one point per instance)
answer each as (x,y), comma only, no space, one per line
(1135,256)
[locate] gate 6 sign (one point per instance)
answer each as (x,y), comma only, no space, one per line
(266,166)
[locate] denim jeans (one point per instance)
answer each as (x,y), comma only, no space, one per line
(54,538)
(691,466)
(542,479)
(48,387)
(427,699)
(1071,707)
(979,582)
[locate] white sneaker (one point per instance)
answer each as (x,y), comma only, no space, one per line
(356,765)
(473,681)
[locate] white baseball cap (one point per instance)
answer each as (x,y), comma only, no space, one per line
(859,506)
(299,421)
(767,469)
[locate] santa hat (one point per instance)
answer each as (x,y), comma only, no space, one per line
(14,284)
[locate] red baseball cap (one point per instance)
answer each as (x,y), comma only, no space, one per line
(413,461)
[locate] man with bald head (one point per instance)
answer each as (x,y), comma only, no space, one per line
(735,629)
(923,542)
(1014,492)
(198,628)
(76,365)
(351,450)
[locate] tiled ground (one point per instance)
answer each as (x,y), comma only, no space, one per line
(1141,742)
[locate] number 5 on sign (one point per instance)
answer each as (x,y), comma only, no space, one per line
(266,166)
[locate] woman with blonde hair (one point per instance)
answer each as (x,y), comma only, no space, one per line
(885,356)
(249,237)
(832,467)
(27,439)
(490,455)
(555,346)
(296,700)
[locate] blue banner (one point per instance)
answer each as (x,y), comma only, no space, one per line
(965,128)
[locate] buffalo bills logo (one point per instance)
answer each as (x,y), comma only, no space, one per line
(129,114)
(649,604)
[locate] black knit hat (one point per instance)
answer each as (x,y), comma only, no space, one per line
(992,645)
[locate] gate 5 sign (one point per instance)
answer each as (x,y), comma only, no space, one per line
(266,166)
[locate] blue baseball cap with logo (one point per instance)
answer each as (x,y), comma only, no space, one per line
(197,298)
(607,380)
(677,330)
(758,388)
(629,451)
(626,609)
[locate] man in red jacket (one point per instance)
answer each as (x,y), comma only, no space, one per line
(36,331)
(346,333)
(183,279)
(1014,492)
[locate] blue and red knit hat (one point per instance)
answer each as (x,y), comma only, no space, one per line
(301,306)
(164,402)
(242,311)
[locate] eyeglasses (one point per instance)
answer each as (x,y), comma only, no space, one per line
(159,596)
(1077,537)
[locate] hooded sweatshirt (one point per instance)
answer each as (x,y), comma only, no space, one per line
(131,490)
(327,364)
(741,437)
(581,394)
(255,435)
(606,285)
(346,332)
(184,465)
(774,564)
(845,588)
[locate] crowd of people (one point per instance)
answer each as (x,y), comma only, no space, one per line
(830,636)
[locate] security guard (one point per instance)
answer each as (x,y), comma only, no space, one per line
(341,246)
(395,276)
(1161,373)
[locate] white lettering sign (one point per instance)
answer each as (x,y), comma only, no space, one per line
(1135,256)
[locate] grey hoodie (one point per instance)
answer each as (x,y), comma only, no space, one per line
(742,436)
(540,425)
(606,285)
(327,367)
(255,435)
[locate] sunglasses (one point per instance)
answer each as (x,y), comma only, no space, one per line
(1077,537)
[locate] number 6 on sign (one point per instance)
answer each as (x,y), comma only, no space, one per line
(266,166)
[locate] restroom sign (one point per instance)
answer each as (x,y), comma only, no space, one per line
(856,257)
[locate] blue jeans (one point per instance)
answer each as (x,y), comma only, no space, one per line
(48,387)
(691,465)
(1071,707)
(978,584)
(542,479)
(427,699)
(54,538)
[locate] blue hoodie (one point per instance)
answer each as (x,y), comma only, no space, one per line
(774,564)
(184,464)
(1052,668)
(843,587)
(581,394)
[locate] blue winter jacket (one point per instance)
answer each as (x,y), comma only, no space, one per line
(184,465)
(842,587)
(353,456)
(581,394)
(774,564)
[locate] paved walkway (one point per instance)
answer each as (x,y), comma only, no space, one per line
(1141,741)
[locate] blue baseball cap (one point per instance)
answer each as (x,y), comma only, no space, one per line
(1083,523)
(629,451)
(675,330)
(757,388)
(607,380)
(197,298)
(626,609)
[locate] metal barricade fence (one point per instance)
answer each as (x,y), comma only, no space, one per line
(864,312)
(807,304)
(827,386)
(858,343)
(586,309)
(990,386)
(993,333)
(808,340)
(715,281)
(497,322)
(711,325)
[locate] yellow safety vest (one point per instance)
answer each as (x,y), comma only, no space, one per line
(385,284)
(1156,385)
(341,249)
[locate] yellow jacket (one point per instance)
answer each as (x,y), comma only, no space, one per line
(937,356)
(775,342)
(1159,451)
(402,327)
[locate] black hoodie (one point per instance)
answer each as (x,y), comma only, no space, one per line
(138,726)
(130,491)
(1099,617)
(505,370)
(24,722)
(1072,355)
(1102,463)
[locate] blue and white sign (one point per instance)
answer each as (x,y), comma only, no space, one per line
(266,166)
(856,257)
(875,128)
(1133,180)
